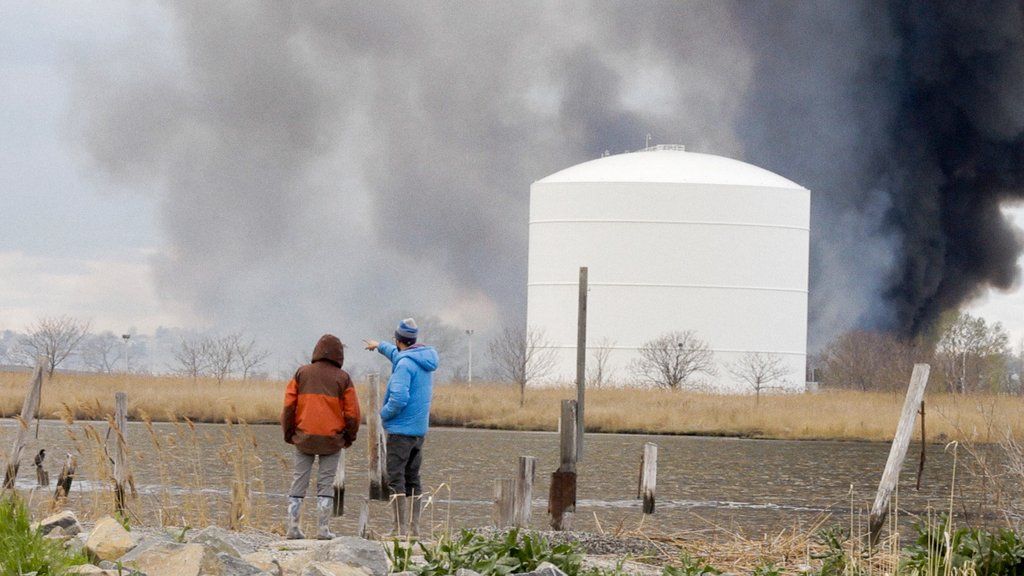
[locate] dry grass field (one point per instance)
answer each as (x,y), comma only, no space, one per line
(836,415)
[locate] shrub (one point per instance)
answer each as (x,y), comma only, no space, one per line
(490,556)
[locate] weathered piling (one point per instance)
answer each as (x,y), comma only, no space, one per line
(377,451)
(523,491)
(504,498)
(339,485)
(42,476)
(581,361)
(122,475)
(898,451)
(28,412)
(562,496)
(67,475)
(648,476)
(363,527)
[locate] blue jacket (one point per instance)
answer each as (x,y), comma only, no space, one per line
(406,407)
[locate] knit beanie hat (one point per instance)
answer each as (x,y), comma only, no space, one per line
(407,329)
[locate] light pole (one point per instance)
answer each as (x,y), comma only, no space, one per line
(469,334)
(125,337)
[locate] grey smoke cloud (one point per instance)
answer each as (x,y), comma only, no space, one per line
(318,165)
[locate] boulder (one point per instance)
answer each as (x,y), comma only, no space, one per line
(85,570)
(331,569)
(167,559)
(222,540)
(544,569)
(354,552)
(108,540)
(66,521)
(223,564)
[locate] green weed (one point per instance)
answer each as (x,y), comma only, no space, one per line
(23,550)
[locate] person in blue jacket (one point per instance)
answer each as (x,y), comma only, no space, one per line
(406,417)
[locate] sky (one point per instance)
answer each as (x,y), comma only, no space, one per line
(241,166)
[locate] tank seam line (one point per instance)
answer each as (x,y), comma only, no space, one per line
(684,222)
(637,284)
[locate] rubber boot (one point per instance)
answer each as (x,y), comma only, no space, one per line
(414,522)
(399,507)
(324,510)
(294,509)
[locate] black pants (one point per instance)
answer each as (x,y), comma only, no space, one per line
(404,456)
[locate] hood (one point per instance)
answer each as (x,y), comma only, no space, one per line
(329,348)
(424,356)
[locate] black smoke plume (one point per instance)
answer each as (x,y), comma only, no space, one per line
(957,154)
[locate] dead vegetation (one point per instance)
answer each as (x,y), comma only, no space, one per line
(838,415)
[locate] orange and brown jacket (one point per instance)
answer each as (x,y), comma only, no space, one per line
(321,411)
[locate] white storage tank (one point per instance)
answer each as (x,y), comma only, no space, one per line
(674,241)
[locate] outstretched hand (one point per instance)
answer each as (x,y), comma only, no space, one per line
(371,344)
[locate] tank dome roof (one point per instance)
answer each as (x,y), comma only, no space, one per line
(665,164)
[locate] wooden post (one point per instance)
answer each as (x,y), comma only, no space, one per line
(924,448)
(898,451)
(339,485)
(648,476)
(581,361)
(363,528)
(28,412)
(504,496)
(562,497)
(377,452)
(523,491)
(121,472)
(67,474)
(42,477)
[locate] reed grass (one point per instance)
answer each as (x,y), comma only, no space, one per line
(832,415)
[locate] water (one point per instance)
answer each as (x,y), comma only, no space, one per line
(751,486)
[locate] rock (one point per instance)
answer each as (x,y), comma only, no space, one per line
(355,552)
(66,521)
(222,540)
(166,559)
(544,569)
(331,569)
(223,564)
(108,540)
(466,572)
(85,569)
(57,533)
(108,565)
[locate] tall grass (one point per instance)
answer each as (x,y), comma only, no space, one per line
(841,415)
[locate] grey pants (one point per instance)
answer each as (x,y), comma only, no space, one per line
(405,453)
(324,477)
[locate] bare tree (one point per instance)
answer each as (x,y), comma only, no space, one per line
(192,357)
(972,353)
(101,352)
(53,339)
(521,355)
(865,360)
(222,356)
(249,356)
(672,359)
(760,371)
(599,374)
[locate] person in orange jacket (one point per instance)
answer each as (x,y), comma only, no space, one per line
(320,417)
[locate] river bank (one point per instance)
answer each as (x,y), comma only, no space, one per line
(833,415)
(60,544)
